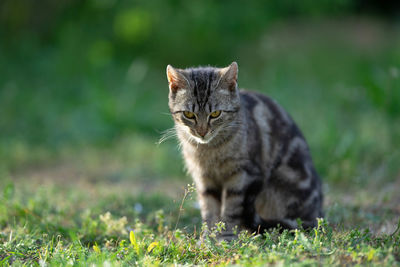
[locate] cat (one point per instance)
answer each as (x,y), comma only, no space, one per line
(250,163)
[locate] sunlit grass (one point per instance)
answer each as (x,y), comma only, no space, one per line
(53,230)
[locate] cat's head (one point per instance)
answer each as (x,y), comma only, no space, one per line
(203,101)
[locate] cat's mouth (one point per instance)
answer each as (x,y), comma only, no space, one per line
(193,137)
(206,138)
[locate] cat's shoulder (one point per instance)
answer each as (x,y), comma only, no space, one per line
(256,97)
(252,99)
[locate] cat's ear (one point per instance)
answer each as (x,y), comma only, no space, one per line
(229,76)
(176,79)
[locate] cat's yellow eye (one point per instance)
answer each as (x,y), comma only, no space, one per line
(215,114)
(188,114)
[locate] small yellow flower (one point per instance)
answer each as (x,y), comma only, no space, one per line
(133,242)
(96,248)
(152,246)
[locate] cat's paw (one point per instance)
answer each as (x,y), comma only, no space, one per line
(227,237)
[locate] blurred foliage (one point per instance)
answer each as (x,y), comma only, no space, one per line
(76,70)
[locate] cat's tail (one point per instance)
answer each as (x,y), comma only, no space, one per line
(260,225)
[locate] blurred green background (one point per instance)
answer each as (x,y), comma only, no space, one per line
(83,87)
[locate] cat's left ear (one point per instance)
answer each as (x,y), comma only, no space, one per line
(229,76)
(176,79)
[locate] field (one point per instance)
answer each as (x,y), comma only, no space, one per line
(85,181)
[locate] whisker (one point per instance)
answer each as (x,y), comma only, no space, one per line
(167,134)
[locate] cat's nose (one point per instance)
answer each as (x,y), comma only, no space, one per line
(202,131)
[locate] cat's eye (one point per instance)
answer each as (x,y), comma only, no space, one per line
(215,114)
(188,114)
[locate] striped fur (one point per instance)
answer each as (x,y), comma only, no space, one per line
(253,168)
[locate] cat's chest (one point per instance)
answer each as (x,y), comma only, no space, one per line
(211,165)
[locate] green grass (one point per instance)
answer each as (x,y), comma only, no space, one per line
(80,168)
(77,225)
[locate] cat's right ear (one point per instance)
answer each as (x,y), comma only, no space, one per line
(229,76)
(176,79)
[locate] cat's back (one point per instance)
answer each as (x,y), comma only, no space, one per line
(272,133)
(263,107)
(280,149)
(269,116)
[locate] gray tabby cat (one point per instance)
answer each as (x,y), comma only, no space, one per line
(250,163)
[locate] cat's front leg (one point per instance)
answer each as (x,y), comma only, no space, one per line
(231,212)
(237,209)
(210,206)
(232,208)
